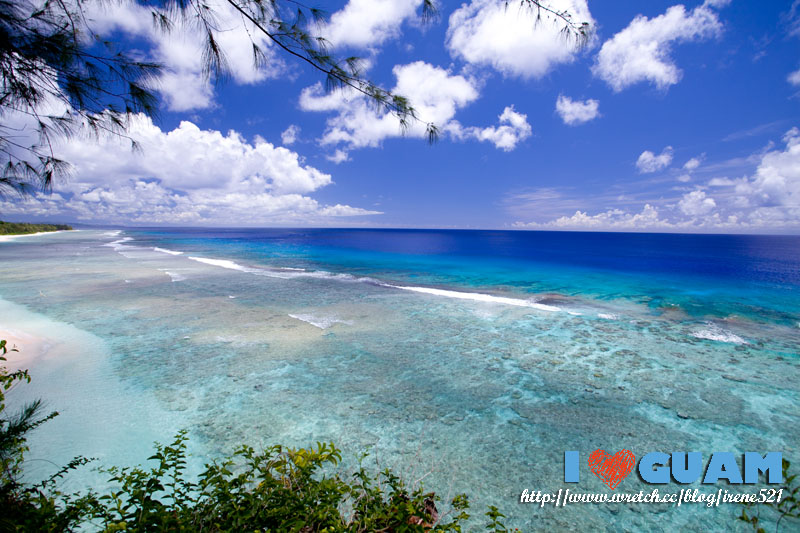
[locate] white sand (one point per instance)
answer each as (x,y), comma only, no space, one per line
(35,337)
(100,415)
(30,346)
(6,238)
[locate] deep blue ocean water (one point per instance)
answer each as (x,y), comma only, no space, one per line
(716,275)
(473,359)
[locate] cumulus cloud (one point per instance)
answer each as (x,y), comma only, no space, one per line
(767,200)
(696,203)
(513,128)
(435,94)
(649,162)
(575,112)
(721,182)
(186,175)
(650,218)
(182,82)
(339,156)
(641,51)
(693,163)
(776,182)
(368,23)
(794,78)
(290,135)
(614,219)
(689,167)
(509,38)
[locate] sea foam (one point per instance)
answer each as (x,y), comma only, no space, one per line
(173,275)
(323,322)
(282,273)
(712,332)
(291,273)
(166,251)
(476,296)
(119,244)
(224,263)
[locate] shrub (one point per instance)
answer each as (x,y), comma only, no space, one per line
(278,489)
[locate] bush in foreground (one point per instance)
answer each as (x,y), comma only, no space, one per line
(278,489)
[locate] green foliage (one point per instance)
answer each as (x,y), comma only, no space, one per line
(495,524)
(788,506)
(24,508)
(277,489)
(23,228)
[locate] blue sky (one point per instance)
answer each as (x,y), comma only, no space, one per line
(675,117)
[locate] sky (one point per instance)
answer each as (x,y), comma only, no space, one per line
(674,117)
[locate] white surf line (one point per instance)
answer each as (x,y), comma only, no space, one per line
(224,263)
(474,296)
(118,244)
(166,251)
(478,297)
(321,322)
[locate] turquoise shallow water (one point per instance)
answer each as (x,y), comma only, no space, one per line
(471,361)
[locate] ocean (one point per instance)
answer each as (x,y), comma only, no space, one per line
(469,361)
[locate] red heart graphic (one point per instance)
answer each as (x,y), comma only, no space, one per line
(612,469)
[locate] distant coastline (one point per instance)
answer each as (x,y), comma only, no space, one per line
(9,230)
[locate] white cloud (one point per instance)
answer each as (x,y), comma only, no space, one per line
(721,182)
(182,82)
(648,162)
(766,201)
(792,19)
(776,182)
(315,98)
(290,134)
(641,51)
(575,112)
(368,23)
(513,129)
(339,156)
(189,158)
(689,167)
(186,175)
(794,78)
(435,94)
(615,219)
(693,163)
(696,203)
(650,218)
(509,38)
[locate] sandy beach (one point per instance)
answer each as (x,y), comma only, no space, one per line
(28,348)
(34,337)
(6,238)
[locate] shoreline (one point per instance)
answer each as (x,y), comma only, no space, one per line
(30,346)
(7,238)
(36,337)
